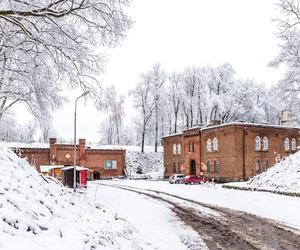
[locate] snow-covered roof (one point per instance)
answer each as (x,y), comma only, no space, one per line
(236,123)
(46,168)
(25,145)
(77,168)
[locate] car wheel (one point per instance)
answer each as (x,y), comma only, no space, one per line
(176,182)
(192,182)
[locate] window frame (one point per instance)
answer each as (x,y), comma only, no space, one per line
(113,165)
(174,149)
(293,144)
(286,144)
(215,144)
(257,143)
(209,145)
(265,143)
(179,149)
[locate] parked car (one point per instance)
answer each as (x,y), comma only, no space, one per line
(176,178)
(193,179)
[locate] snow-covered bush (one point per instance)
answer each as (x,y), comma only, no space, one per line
(283,177)
(147,165)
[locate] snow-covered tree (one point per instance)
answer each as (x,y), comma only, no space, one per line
(289,32)
(51,45)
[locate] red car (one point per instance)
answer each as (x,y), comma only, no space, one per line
(192,179)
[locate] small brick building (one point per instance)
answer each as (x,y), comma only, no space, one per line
(102,163)
(228,152)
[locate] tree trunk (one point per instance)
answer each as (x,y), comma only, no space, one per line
(143,137)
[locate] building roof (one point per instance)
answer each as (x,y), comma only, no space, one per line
(235,124)
(72,167)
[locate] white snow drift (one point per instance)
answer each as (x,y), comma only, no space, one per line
(283,177)
(38,213)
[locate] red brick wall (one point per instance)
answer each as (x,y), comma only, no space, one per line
(236,152)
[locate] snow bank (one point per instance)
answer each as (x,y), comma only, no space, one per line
(147,165)
(38,213)
(284,177)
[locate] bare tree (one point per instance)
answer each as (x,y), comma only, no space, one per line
(145,102)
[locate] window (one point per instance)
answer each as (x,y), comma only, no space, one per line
(286,144)
(208,145)
(174,149)
(257,143)
(208,166)
(266,164)
(257,166)
(215,144)
(110,164)
(265,143)
(174,167)
(193,147)
(293,144)
(179,149)
(216,166)
(189,147)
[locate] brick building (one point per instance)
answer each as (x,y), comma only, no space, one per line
(228,152)
(100,162)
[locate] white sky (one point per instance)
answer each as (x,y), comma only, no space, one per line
(182,33)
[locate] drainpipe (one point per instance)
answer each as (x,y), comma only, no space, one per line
(244,150)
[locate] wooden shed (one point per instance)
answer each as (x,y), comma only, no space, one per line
(81,176)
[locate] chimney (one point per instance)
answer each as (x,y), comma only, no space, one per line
(286,118)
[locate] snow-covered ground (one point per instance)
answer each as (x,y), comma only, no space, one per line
(39,213)
(283,177)
(284,209)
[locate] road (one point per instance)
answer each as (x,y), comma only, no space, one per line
(223,228)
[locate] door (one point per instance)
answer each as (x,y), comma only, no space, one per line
(193,167)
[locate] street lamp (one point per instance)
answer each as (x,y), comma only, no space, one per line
(82,95)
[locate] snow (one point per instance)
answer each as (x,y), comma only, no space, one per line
(282,177)
(38,213)
(150,164)
(153,220)
(284,209)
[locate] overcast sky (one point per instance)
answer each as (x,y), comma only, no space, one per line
(182,33)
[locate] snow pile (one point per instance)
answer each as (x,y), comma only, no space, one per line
(38,213)
(144,165)
(283,177)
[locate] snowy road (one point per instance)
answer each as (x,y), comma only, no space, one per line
(219,227)
(155,225)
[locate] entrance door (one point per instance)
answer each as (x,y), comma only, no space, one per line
(96,175)
(193,167)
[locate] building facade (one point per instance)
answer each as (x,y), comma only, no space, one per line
(228,152)
(104,163)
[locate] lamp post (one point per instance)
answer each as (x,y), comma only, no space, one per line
(82,95)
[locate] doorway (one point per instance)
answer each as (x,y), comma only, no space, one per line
(96,175)
(193,167)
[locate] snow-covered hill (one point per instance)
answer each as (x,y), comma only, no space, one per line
(283,177)
(39,213)
(147,165)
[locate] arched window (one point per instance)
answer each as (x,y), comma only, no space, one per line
(257,143)
(208,166)
(215,144)
(193,147)
(257,166)
(293,144)
(208,145)
(286,144)
(174,149)
(216,166)
(174,167)
(265,143)
(266,164)
(179,149)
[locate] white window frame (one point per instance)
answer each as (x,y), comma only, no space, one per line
(179,149)
(265,143)
(257,143)
(208,145)
(215,144)
(174,149)
(293,144)
(113,164)
(286,144)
